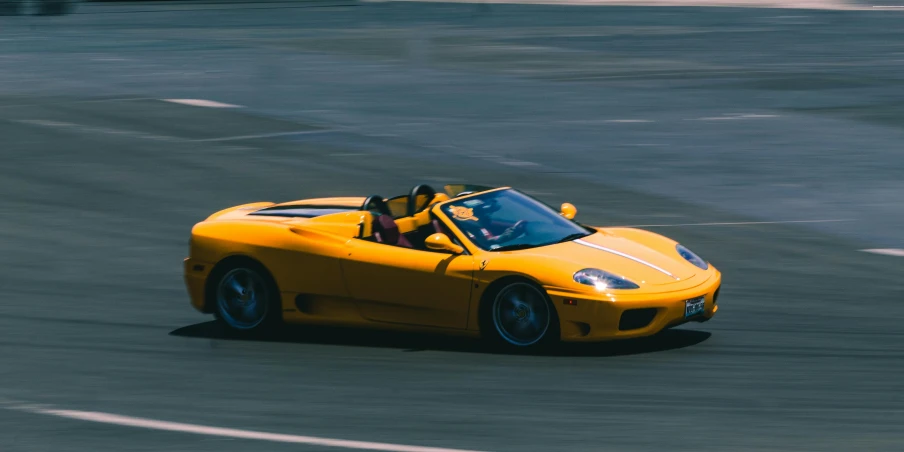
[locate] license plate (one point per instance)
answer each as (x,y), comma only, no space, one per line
(694,306)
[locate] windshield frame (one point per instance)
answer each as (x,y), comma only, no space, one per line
(472,247)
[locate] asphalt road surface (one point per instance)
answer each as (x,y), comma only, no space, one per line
(747,118)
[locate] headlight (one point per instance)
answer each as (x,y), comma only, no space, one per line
(691,257)
(603,280)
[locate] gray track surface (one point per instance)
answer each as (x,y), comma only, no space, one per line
(101,183)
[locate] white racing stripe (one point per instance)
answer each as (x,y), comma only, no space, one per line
(627,256)
(128,421)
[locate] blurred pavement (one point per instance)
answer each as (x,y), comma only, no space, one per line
(639,116)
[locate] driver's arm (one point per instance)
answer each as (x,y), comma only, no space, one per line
(511,233)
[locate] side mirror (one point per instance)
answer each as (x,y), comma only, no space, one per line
(568,211)
(441,242)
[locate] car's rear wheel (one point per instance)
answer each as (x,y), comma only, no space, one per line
(520,315)
(245,296)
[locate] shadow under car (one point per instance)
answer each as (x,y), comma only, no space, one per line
(669,339)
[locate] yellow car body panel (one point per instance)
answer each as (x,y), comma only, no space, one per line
(327,273)
(400,285)
(347,201)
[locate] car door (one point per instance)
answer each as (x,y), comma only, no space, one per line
(402,285)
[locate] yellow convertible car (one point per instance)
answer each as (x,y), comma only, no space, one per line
(470,260)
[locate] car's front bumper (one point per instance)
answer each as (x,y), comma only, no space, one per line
(586,318)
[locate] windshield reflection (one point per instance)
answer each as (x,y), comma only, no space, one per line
(509,220)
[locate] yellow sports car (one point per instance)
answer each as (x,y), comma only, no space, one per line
(469,260)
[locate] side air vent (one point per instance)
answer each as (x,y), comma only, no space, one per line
(633,319)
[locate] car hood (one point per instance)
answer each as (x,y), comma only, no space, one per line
(641,263)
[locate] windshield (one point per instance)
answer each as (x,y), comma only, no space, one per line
(508,220)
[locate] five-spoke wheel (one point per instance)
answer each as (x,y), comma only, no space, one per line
(521,314)
(244,296)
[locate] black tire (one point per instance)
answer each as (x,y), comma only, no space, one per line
(517,314)
(243,296)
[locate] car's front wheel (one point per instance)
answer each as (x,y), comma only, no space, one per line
(245,296)
(520,315)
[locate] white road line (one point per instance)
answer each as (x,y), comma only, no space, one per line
(602,121)
(66,102)
(201,103)
(733,223)
(96,129)
(44,122)
(732,117)
(264,135)
(518,163)
(886,251)
(119,99)
(150,136)
(128,421)
(798,4)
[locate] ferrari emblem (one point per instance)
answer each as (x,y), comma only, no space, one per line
(483,264)
(463,213)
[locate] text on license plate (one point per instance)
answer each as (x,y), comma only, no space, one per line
(694,306)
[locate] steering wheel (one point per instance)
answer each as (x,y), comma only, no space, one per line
(511,233)
(517,230)
(375,202)
(418,190)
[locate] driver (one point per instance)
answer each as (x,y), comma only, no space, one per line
(474,218)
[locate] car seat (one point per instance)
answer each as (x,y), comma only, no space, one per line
(387,231)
